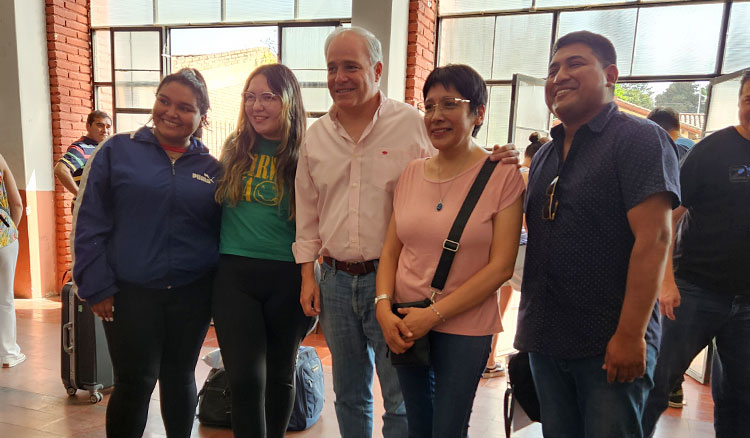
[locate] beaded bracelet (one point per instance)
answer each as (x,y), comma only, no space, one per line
(437,313)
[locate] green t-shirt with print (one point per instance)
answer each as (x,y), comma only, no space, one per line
(259,225)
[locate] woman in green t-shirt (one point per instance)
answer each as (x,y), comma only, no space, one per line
(259,322)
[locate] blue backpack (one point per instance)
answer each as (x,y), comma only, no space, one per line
(309,390)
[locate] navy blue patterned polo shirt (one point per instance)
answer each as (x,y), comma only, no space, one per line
(576,265)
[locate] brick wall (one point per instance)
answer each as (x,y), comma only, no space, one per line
(420,51)
(69,54)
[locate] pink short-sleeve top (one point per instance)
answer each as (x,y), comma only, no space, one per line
(422,228)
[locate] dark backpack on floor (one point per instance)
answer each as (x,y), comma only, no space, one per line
(215,400)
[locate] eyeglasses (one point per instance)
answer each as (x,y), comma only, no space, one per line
(445,104)
(550,207)
(265,98)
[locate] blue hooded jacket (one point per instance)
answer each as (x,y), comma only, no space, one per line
(143,220)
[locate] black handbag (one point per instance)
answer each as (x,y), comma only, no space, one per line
(419,353)
(520,390)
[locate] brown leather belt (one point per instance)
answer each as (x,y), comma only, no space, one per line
(353,268)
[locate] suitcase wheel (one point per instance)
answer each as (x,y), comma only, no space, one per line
(71,391)
(95,397)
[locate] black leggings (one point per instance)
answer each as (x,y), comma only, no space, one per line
(156,335)
(259,325)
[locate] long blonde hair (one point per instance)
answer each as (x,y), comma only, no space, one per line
(237,153)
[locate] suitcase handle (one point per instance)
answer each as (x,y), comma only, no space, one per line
(66,337)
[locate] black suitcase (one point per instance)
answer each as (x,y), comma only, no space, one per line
(85,362)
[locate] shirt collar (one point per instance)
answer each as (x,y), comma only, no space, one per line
(596,124)
(334,111)
(145,134)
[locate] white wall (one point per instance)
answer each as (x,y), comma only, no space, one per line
(389,21)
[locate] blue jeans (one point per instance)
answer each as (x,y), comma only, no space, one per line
(576,401)
(356,343)
(701,316)
(439,397)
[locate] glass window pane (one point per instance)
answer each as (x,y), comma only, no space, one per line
(532,114)
(722,110)
(180,11)
(131,122)
(102,56)
(314,86)
(137,51)
(121,12)
(459,43)
(103,99)
(136,89)
(495,127)
(302,51)
(557,3)
(522,45)
(310,9)
(217,132)
(259,10)
(665,46)
(200,41)
(616,24)
(458,6)
(737,52)
(302,47)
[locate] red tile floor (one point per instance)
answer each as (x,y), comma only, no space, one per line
(33,401)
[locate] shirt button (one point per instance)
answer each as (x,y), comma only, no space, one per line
(354,184)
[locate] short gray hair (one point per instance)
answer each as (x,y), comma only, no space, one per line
(374,48)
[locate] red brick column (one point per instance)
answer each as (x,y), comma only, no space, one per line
(420,51)
(71,79)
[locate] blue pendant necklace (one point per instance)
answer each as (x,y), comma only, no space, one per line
(439,205)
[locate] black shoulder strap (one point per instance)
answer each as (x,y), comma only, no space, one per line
(450,245)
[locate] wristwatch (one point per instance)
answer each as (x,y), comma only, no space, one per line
(382,297)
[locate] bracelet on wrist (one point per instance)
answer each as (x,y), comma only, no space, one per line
(382,297)
(434,309)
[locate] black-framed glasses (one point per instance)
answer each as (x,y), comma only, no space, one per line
(550,206)
(265,98)
(445,104)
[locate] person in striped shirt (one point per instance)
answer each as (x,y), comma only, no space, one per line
(70,166)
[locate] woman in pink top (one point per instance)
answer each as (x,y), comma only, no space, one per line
(429,194)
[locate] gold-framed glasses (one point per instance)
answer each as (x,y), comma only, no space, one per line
(265,98)
(550,206)
(445,104)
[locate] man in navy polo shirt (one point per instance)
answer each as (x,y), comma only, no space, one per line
(598,211)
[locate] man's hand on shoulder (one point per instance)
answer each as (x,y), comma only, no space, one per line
(508,154)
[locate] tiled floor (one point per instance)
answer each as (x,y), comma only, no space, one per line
(33,402)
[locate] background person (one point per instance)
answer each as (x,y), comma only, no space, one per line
(706,290)
(11,213)
(669,120)
(259,322)
(145,246)
(464,316)
(70,166)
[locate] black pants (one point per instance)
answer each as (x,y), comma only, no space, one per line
(156,335)
(259,325)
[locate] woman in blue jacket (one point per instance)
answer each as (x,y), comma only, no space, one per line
(145,246)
